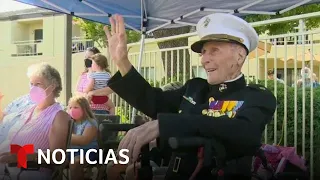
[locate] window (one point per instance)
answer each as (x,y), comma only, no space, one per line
(291,40)
(38,35)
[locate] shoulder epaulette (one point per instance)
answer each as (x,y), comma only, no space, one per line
(198,80)
(257,87)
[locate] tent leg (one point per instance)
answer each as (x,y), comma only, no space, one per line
(143,36)
(67,58)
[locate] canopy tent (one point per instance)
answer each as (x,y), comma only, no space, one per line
(147,16)
(150,15)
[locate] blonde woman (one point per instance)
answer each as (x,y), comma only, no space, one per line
(43,124)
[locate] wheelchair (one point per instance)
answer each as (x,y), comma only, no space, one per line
(146,171)
(214,157)
(212,152)
(241,166)
(109,129)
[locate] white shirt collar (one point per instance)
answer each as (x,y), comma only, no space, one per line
(234,78)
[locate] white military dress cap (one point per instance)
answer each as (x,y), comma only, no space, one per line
(227,28)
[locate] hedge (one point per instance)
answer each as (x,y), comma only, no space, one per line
(290,121)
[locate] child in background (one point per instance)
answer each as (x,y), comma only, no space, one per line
(85,132)
(98,79)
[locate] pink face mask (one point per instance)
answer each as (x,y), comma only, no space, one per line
(76,114)
(37,94)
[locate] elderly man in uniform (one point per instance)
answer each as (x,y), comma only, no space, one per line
(223,106)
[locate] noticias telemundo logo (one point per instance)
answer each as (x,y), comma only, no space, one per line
(48,157)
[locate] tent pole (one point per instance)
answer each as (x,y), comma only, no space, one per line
(143,36)
(144,20)
(67,58)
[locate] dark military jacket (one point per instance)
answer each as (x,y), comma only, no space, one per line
(233,112)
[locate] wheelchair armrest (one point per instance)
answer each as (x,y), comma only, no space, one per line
(12,164)
(219,151)
(112,142)
(178,143)
(145,171)
(208,144)
(34,166)
(260,154)
(108,133)
(31,166)
(292,175)
(116,127)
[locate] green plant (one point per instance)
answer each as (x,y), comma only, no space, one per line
(291,121)
(124,115)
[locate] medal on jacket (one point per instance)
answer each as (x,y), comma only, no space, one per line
(218,108)
(190,100)
(222,87)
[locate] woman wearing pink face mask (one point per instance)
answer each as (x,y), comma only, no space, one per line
(85,133)
(43,124)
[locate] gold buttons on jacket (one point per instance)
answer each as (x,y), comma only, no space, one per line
(204,112)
